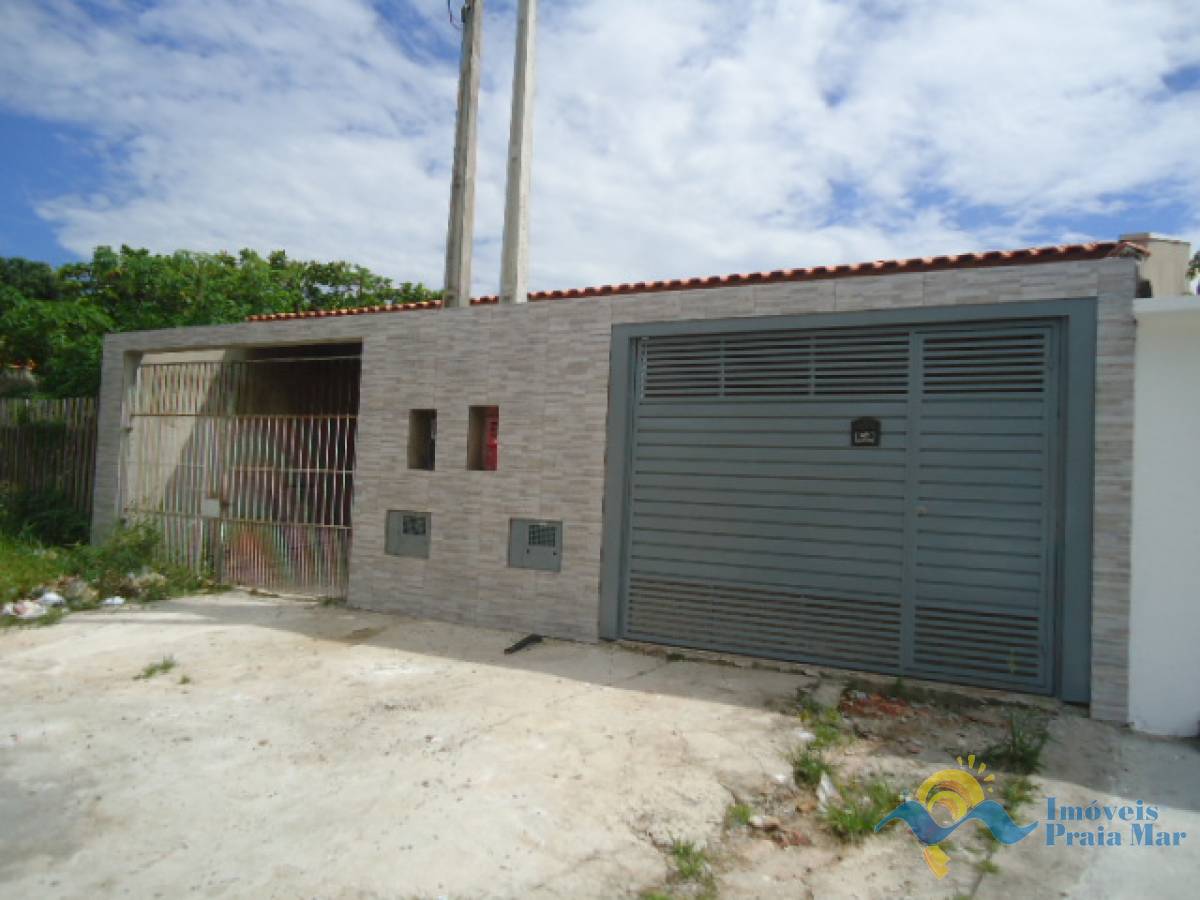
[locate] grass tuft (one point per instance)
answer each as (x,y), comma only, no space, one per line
(25,566)
(826,723)
(691,862)
(164,665)
(863,805)
(1020,750)
(738,814)
(1017,792)
(808,765)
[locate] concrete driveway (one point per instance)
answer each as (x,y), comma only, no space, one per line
(298,750)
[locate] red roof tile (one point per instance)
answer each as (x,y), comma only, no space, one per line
(989,259)
(356,311)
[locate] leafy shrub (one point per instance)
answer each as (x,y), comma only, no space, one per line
(46,515)
(109,566)
(52,518)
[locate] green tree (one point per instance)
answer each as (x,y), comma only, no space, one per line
(56,319)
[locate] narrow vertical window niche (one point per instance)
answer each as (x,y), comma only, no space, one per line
(483,439)
(422,439)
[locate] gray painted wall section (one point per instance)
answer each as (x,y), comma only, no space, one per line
(546,365)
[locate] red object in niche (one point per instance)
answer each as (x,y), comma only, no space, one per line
(491,440)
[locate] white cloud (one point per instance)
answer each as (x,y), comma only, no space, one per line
(677,137)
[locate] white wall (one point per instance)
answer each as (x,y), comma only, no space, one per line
(1165,617)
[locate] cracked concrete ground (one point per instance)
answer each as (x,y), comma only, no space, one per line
(299,750)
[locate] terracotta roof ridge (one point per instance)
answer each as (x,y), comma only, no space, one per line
(978,260)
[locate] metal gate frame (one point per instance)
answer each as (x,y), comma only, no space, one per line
(256,497)
(1072,583)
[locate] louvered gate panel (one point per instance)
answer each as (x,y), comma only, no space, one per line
(985,501)
(754,527)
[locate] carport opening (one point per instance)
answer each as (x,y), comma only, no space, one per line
(244,460)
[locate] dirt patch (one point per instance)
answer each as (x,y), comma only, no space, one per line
(320,751)
(856,747)
(361,635)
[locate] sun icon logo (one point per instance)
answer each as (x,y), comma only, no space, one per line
(948,796)
(947,799)
(950,793)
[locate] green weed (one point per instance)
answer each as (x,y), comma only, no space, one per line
(47,516)
(826,735)
(164,665)
(738,814)
(826,723)
(25,566)
(808,765)
(691,862)
(1017,792)
(1020,750)
(863,805)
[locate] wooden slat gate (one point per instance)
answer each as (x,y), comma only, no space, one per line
(247,467)
(50,445)
(756,526)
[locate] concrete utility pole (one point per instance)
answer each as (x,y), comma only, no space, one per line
(514,272)
(461,232)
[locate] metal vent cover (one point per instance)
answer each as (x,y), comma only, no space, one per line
(535,544)
(407,533)
(542,535)
(776,365)
(1011,362)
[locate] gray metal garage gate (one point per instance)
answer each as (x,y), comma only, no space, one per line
(882,498)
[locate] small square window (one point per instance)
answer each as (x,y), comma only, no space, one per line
(422,439)
(483,439)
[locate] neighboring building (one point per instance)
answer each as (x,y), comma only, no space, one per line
(920,467)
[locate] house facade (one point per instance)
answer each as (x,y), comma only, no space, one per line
(920,467)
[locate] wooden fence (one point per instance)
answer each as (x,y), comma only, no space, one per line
(50,445)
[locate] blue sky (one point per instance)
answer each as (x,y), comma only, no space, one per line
(38,161)
(673,138)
